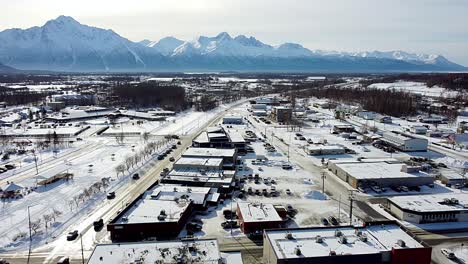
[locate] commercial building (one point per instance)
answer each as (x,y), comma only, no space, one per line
(404,142)
(188,251)
(363,172)
(432,208)
(147,217)
(233,120)
(199,163)
(220,137)
(377,243)
(343,128)
(325,150)
(228,156)
(282,114)
(200,196)
(222,179)
(257,217)
(420,130)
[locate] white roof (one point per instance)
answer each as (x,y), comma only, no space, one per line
(235,136)
(148,210)
(258,212)
(209,162)
(169,192)
(321,147)
(374,169)
(209,152)
(380,238)
(431,203)
(12,187)
(198,251)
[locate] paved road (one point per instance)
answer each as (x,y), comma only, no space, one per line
(108,210)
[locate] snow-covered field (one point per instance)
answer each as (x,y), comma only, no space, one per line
(416,88)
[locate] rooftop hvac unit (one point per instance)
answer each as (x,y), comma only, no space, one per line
(318,239)
(163,212)
(338,233)
(401,243)
(454,201)
(358,232)
(161,217)
(289,236)
(332,253)
(363,238)
(343,240)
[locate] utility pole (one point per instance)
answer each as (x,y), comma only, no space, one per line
(30,235)
(324,176)
(82,253)
(351,198)
(339,209)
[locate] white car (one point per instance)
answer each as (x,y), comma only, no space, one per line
(448,253)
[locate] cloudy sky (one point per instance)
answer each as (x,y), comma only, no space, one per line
(425,26)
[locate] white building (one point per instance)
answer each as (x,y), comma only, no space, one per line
(325,150)
(405,143)
(420,130)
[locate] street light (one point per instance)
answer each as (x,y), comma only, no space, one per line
(324,176)
(351,199)
(30,232)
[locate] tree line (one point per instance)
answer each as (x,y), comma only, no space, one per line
(20,96)
(151,94)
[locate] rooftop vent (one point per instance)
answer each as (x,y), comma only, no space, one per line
(338,233)
(363,238)
(318,239)
(358,232)
(297,251)
(289,236)
(343,240)
(332,253)
(401,243)
(161,217)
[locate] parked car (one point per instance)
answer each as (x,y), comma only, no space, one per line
(10,166)
(72,235)
(98,224)
(229,224)
(288,192)
(325,222)
(194,226)
(136,176)
(171,159)
(286,167)
(161,157)
(63,260)
(333,220)
(448,253)
(111,195)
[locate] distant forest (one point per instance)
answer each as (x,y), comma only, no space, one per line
(388,102)
(16,97)
(151,94)
(452,81)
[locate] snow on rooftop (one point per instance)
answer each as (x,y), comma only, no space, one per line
(148,210)
(432,203)
(258,212)
(379,238)
(198,251)
(209,152)
(209,162)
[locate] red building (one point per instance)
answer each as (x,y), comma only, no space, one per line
(257,217)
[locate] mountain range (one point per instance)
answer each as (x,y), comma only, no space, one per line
(64,44)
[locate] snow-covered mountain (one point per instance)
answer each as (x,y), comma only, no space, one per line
(63,44)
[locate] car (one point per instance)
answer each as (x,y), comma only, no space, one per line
(175,136)
(273,188)
(194,226)
(166,170)
(286,167)
(111,195)
(257,192)
(72,235)
(10,166)
(136,176)
(273,181)
(448,253)
(325,222)
(229,224)
(179,143)
(289,207)
(288,192)
(257,181)
(63,260)
(174,147)
(333,220)
(160,157)
(274,194)
(256,235)
(228,214)
(171,159)
(98,224)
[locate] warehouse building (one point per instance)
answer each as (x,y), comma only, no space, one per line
(432,208)
(187,251)
(377,243)
(233,120)
(404,142)
(257,217)
(315,150)
(201,197)
(228,156)
(150,218)
(363,172)
(220,137)
(282,114)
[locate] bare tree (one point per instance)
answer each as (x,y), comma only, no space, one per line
(36,226)
(145,136)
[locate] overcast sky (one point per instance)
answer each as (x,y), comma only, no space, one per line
(425,26)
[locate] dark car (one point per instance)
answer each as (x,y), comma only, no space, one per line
(174,146)
(98,224)
(325,222)
(72,235)
(256,235)
(194,226)
(136,176)
(175,136)
(179,143)
(333,220)
(111,195)
(171,159)
(160,157)
(230,224)
(10,166)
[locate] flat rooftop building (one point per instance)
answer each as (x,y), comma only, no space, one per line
(431,208)
(382,172)
(257,216)
(147,218)
(404,142)
(193,251)
(374,244)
